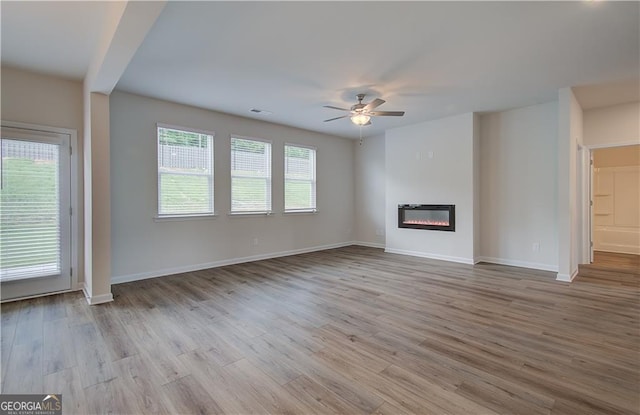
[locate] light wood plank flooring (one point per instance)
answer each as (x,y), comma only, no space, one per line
(610,268)
(350,330)
(618,262)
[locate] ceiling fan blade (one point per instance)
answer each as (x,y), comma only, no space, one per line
(387,113)
(335,108)
(337,118)
(374,104)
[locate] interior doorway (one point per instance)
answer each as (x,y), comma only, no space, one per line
(615,208)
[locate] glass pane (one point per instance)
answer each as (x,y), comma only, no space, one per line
(426,217)
(250,175)
(299,163)
(185,194)
(250,158)
(298,195)
(299,173)
(185,166)
(249,195)
(29,210)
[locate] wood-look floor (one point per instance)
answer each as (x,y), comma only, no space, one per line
(610,268)
(618,262)
(350,330)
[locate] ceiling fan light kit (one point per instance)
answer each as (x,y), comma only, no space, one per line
(360,119)
(361,113)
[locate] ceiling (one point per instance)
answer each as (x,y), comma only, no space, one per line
(52,37)
(430,59)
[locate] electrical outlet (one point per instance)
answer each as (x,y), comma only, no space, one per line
(379,232)
(255,241)
(536,247)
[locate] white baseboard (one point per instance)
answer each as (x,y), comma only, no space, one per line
(97,299)
(221,263)
(460,260)
(369,244)
(567,277)
(619,249)
(516,263)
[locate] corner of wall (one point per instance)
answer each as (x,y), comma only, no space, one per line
(476,186)
(568,213)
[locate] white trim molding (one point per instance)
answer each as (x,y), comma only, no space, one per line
(516,263)
(567,277)
(460,260)
(98,299)
(368,244)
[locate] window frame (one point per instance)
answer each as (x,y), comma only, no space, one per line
(268,211)
(314,181)
(179,216)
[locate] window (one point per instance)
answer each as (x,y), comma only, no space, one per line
(299,178)
(250,176)
(185,172)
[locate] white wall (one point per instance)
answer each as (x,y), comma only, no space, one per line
(50,101)
(41,99)
(141,247)
(477,189)
(614,125)
(98,198)
(518,169)
(447,178)
(369,211)
(570,232)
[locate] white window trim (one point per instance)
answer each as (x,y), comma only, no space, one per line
(301,212)
(179,218)
(251,213)
(311,211)
(167,217)
(268,212)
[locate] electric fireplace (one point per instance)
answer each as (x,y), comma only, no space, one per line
(433,217)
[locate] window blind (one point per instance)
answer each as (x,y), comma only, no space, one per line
(250,176)
(299,178)
(29,210)
(185,172)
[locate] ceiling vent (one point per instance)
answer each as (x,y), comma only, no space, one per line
(262,112)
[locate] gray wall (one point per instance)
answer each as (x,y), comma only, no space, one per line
(142,247)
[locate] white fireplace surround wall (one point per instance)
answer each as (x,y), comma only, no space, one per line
(417,154)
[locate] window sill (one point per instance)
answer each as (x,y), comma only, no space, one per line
(269,213)
(178,218)
(301,212)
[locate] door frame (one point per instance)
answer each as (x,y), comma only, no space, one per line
(586,184)
(76,232)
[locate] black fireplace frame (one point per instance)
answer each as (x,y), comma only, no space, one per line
(450,208)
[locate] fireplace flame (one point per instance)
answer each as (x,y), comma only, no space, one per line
(427,222)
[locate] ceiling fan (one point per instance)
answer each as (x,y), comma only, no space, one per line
(361,114)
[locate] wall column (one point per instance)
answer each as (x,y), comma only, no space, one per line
(97,206)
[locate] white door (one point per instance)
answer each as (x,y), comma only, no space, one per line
(35,210)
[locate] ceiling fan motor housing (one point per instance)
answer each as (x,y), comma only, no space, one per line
(358,107)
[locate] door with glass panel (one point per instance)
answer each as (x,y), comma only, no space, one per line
(35,210)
